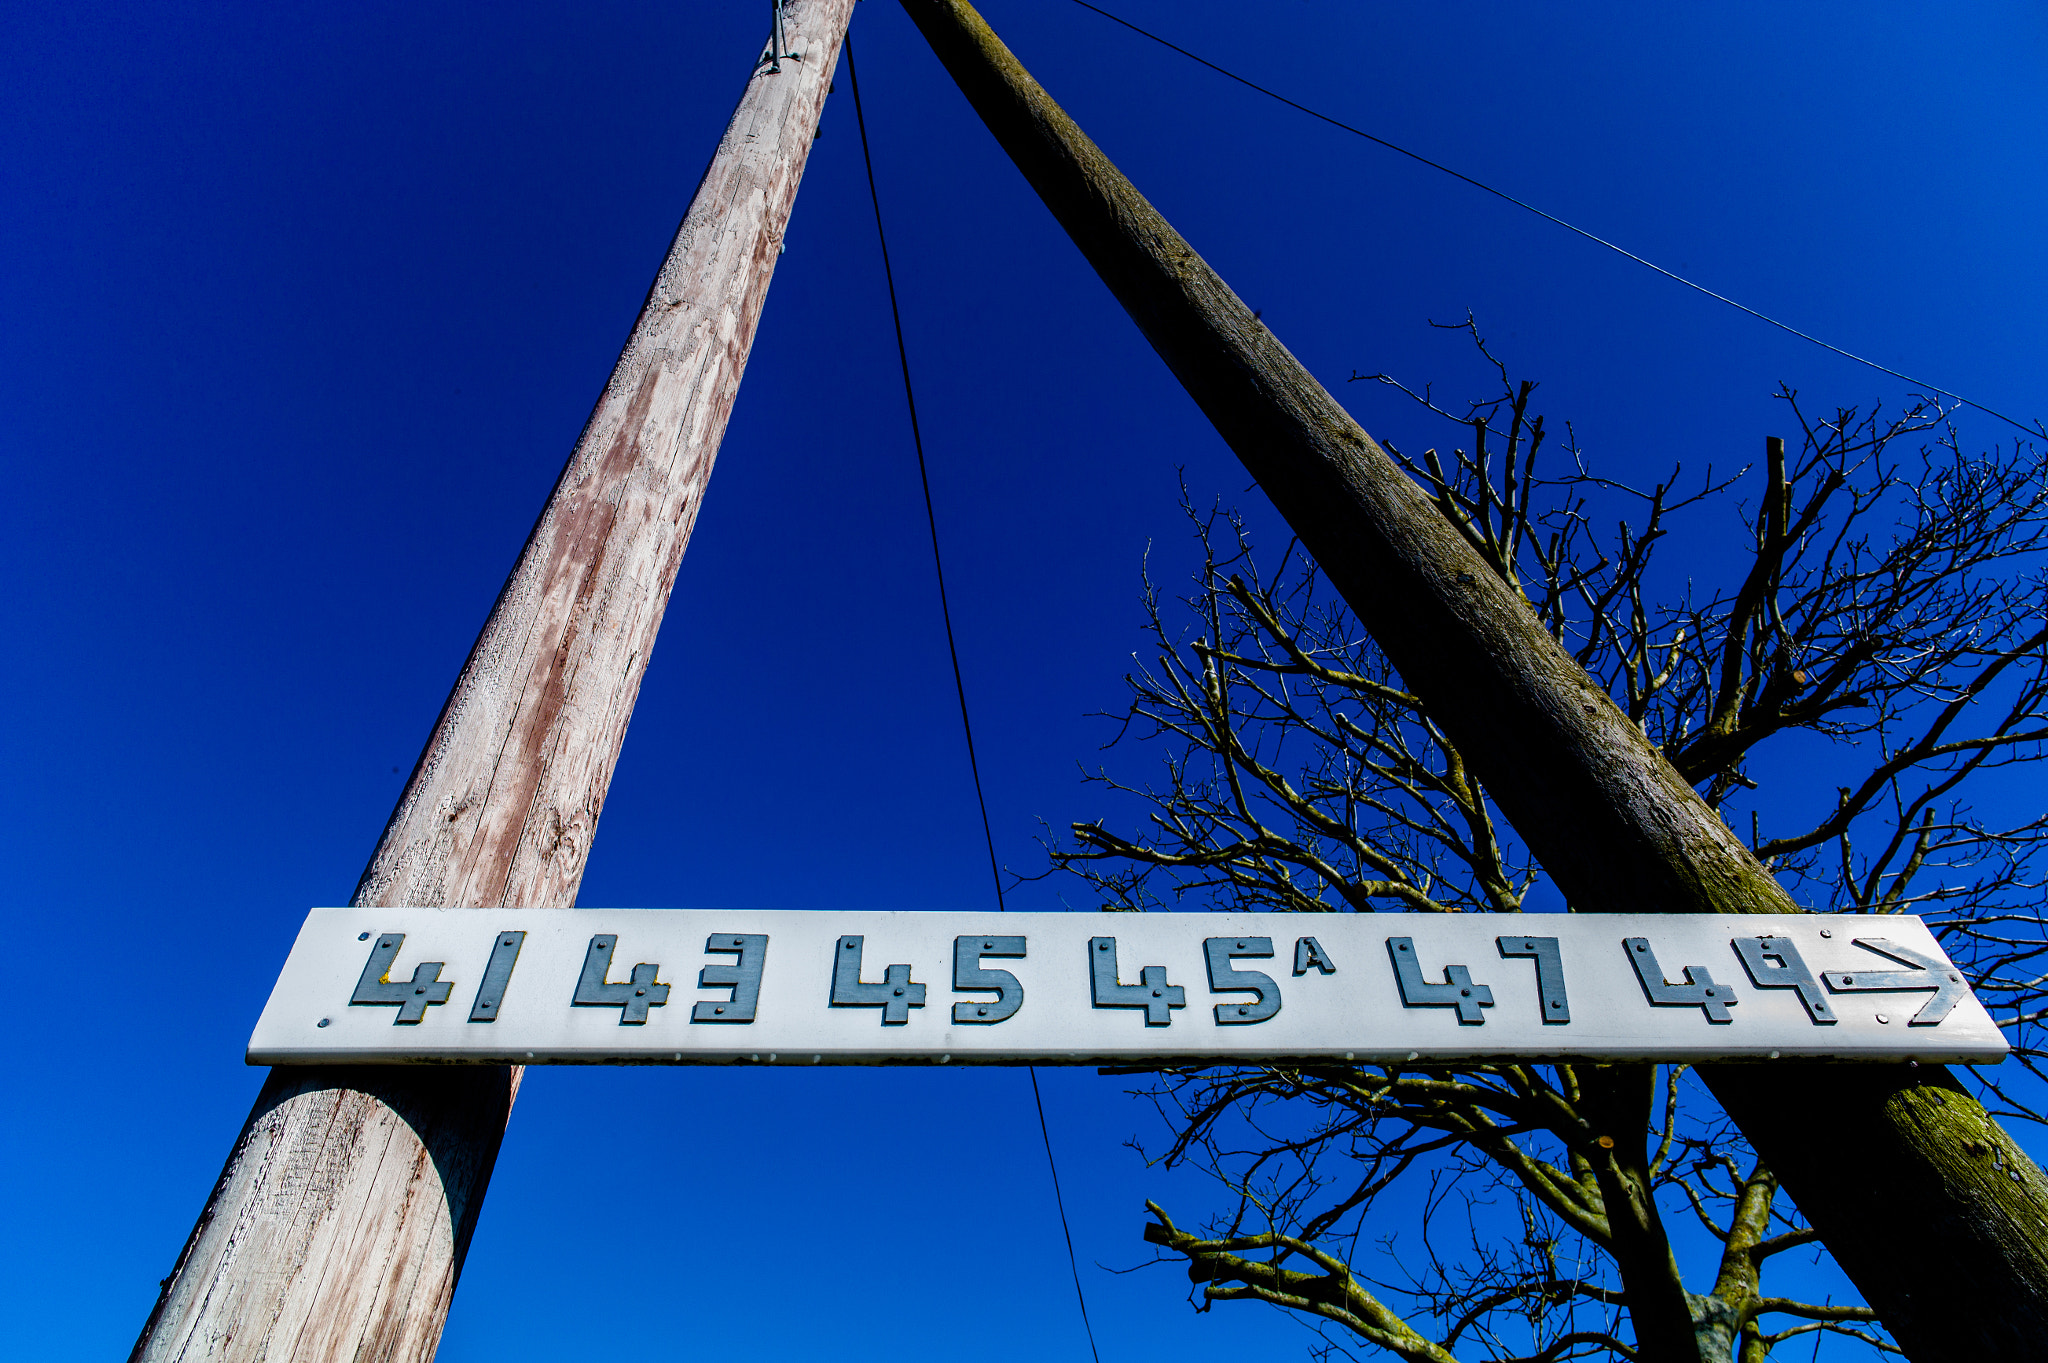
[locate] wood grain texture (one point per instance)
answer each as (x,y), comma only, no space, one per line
(338,1227)
(1612,822)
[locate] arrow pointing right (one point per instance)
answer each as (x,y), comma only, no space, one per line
(1927,973)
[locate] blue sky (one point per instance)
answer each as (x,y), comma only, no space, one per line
(304,305)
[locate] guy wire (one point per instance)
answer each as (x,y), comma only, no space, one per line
(2034,430)
(953,652)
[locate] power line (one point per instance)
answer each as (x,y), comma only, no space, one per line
(1073,1264)
(953,652)
(2036,430)
(931,519)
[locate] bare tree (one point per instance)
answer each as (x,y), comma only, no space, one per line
(1870,665)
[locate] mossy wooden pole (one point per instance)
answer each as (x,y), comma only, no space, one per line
(338,1228)
(1947,1245)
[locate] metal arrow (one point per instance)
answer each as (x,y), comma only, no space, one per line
(1928,973)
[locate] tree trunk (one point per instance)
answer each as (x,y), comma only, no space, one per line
(1612,822)
(338,1228)
(1615,1100)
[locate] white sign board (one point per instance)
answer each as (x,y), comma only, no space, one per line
(653,986)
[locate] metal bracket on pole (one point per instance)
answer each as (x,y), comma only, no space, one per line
(777,42)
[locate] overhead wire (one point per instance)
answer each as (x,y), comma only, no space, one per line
(2035,430)
(953,654)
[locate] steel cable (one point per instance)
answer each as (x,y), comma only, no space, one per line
(2036,430)
(953,653)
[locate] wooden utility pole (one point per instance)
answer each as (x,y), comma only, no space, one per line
(1896,1168)
(338,1228)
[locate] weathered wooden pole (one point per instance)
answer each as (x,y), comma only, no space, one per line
(338,1228)
(1950,1247)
